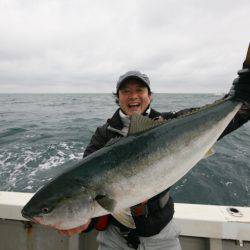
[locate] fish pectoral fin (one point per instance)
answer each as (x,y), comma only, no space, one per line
(106,202)
(125,218)
(140,123)
(209,153)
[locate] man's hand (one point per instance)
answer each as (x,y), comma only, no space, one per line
(99,223)
(76,230)
(241,86)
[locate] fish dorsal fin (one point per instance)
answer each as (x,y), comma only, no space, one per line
(125,218)
(140,123)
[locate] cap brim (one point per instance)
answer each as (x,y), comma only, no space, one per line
(132,77)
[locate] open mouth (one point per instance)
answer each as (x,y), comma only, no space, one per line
(134,105)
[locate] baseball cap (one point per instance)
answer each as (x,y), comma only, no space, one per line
(133,75)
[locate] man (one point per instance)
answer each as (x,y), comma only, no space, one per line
(155,228)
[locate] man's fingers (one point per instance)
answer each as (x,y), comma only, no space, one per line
(85,226)
(69,232)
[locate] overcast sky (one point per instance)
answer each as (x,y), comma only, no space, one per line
(84,46)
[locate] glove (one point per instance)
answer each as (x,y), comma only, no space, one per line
(240,90)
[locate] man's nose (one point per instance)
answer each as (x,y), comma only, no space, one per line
(133,95)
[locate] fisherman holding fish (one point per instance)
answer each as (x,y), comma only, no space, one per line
(152,225)
(155,227)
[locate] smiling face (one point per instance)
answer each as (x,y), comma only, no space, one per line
(134,97)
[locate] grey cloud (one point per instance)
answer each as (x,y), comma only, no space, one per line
(85,45)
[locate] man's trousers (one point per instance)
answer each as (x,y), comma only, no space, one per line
(167,239)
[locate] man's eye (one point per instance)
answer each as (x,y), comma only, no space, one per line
(140,90)
(125,91)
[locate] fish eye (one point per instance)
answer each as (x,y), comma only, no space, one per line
(45,210)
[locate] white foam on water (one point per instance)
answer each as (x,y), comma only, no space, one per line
(61,153)
(33,173)
(64,145)
(53,161)
(28,188)
(77,156)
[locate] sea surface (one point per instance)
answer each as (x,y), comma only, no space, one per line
(43,134)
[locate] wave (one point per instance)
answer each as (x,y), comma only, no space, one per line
(12,131)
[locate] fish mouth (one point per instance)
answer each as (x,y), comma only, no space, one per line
(26,215)
(38,219)
(35,219)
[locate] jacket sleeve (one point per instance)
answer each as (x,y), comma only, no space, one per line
(98,140)
(242,116)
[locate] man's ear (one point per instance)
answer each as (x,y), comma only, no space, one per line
(150,97)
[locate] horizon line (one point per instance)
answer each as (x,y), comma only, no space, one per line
(9,93)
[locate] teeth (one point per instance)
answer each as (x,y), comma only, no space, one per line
(134,105)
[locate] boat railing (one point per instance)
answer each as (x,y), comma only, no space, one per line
(202,227)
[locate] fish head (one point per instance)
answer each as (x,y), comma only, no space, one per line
(58,211)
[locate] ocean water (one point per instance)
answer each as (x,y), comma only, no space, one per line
(43,134)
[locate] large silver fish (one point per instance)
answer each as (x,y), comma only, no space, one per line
(154,156)
(132,169)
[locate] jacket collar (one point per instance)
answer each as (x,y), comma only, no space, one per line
(115,120)
(154,114)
